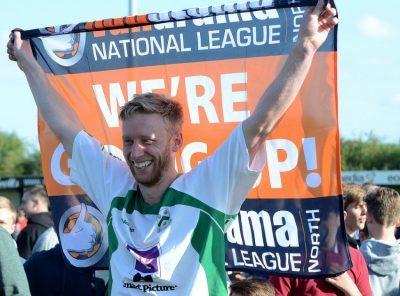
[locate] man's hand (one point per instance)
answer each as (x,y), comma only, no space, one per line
(317,22)
(344,283)
(57,113)
(19,50)
(275,101)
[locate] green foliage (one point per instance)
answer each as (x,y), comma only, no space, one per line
(369,154)
(17,158)
(32,165)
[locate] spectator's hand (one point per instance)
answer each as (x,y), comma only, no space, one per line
(344,283)
(82,237)
(19,50)
(317,23)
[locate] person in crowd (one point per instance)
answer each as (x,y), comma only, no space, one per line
(35,204)
(382,250)
(165,230)
(355,212)
(13,280)
(48,274)
(354,282)
(46,241)
(22,221)
(369,186)
(8,215)
(252,287)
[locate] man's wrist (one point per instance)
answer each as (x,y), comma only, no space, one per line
(28,64)
(305,47)
(304,50)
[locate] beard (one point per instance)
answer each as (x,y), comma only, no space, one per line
(160,166)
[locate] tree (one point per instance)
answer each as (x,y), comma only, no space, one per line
(369,154)
(17,157)
(32,165)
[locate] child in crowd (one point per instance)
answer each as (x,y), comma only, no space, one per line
(382,250)
(355,212)
(252,287)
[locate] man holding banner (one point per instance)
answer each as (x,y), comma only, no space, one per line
(166,231)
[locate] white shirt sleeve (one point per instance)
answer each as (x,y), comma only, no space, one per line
(224,179)
(101,175)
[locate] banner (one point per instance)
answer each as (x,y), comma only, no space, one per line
(216,61)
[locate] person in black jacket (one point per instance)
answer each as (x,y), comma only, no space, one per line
(48,274)
(35,204)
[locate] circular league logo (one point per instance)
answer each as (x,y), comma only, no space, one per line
(83,235)
(65,49)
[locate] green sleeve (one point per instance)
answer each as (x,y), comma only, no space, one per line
(13,279)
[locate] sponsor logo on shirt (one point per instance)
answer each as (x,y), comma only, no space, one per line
(124,221)
(145,270)
(150,287)
(146,261)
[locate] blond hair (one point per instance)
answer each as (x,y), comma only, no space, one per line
(252,287)
(149,103)
(352,193)
(384,205)
(5,203)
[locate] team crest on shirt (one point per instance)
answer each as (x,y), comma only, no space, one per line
(163,219)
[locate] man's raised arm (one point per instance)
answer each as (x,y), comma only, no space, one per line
(58,115)
(317,22)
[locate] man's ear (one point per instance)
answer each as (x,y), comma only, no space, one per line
(177,141)
(344,215)
(35,202)
(370,218)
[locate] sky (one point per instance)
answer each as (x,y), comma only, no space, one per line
(368,59)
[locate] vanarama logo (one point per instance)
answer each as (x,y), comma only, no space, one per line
(65,48)
(83,235)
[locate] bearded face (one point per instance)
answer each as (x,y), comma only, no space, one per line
(149,148)
(150,171)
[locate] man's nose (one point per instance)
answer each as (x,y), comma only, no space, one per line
(137,150)
(363,209)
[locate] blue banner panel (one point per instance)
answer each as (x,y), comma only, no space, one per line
(288,236)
